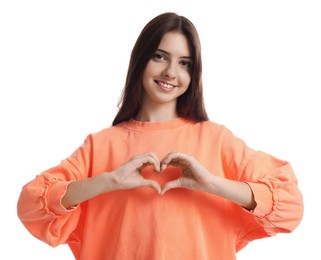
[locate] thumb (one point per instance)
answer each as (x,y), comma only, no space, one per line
(171,185)
(153,184)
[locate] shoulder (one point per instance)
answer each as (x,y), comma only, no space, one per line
(111,132)
(210,127)
(220,132)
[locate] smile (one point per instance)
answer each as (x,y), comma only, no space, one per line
(165,86)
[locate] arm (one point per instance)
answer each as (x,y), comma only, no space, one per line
(264,185)
(275,188)
(39,205)
(197,177)
(126,176)
(279,202)
(48,205)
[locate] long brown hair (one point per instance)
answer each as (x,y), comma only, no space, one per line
(189,105)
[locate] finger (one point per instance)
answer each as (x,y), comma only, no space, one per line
(176,159)
(168,159)
(157,162)
(148,159)
(171,185)
(152,184)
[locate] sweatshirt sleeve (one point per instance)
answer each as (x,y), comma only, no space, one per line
(39,205)
(275,189)
(273,182)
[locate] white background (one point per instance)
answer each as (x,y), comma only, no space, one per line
(63,66)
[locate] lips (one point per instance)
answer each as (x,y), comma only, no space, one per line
(164,85)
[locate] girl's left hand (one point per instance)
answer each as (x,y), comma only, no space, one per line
(194,175)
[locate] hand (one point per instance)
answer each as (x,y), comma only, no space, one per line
(128,176)
(194,175)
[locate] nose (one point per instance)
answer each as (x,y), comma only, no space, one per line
(170,70)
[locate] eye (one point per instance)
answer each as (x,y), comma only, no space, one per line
(186,63)
(159,56)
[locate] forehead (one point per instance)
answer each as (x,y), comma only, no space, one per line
(176,44)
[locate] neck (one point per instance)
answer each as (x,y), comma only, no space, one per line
(157,113)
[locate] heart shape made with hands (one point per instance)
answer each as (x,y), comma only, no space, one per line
(171,173)
(175,170)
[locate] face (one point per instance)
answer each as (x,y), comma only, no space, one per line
(168,74)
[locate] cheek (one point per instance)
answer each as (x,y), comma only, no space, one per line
(149,72)
(146,75)
(185,78)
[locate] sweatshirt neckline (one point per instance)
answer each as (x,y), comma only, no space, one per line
(160,125)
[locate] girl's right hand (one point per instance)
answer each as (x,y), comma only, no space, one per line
(128,176)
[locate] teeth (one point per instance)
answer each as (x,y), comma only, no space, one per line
(165,85)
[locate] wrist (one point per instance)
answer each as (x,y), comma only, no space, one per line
(108,182)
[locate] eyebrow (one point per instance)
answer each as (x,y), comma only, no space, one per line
(166,52)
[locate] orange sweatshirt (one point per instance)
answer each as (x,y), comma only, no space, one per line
(181,224)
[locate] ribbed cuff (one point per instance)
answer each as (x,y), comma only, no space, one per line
(54,195)
(264,199)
